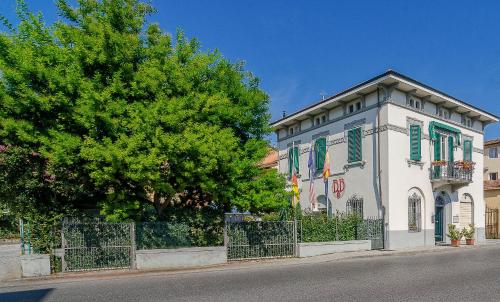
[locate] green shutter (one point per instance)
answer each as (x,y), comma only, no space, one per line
(450,149)
(296,159)
(358,144)
(437,146)
(415,145)
(320,153)
(468,150)
(354,145)
(350,146)
(290,161)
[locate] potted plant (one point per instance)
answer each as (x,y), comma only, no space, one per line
(454,234)
(468,233)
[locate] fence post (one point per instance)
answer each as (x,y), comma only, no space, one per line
(63,248)
(132,246)
(295,241)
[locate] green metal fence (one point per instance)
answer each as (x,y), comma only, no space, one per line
(261,239)
(97,246)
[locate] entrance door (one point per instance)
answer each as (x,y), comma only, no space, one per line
(438,224)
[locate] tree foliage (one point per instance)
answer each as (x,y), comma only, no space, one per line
(106,107)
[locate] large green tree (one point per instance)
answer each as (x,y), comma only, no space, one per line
(105,107)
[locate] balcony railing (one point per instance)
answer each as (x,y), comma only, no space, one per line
(453,172)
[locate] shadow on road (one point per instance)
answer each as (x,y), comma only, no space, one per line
(35,295)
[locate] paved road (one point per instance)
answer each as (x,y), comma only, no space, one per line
(451,275)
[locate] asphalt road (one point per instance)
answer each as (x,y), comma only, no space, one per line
(452,275)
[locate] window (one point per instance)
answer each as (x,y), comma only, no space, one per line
(354,107)
(467,121)
(320,119)
(443,113)
(294,129)
(468,150)
(293,160)
(414,104)
(444,147)
(320,153)
(494,176)
(354,148)
(414,216)
(493,152)
(415,148)
(354,205)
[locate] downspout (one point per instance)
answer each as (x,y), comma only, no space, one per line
(382,209)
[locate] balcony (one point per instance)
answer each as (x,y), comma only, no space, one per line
(457,174)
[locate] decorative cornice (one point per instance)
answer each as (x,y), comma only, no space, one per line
(354,124)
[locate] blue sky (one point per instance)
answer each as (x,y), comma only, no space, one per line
(300,49)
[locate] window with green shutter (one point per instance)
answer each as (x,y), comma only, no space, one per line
(451,148)
(293,160)
(468,150)
(415,140)
(354,148)
(320,153)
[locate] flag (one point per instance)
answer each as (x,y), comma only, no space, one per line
(295,189)
(310,165)
(326,167)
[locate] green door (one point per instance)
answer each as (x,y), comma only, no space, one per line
(438,224)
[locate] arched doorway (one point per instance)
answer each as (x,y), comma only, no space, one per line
(439,218)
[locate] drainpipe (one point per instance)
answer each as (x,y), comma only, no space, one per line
(382,208)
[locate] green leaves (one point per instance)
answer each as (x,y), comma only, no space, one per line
(130,117)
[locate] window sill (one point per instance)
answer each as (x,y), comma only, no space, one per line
(409,231)
(360,163)
(411,162)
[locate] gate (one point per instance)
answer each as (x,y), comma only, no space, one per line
(96,246)
(372,229)
(260,239)
(491,216)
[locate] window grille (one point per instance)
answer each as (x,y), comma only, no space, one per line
(414,216)
(354,205)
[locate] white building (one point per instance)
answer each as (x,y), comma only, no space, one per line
(398,149)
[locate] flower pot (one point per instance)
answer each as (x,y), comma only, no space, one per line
(455,243)
(470,241)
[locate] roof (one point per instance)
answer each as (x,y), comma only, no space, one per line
(271,159)
(491,185)
(492,142)
(388,76)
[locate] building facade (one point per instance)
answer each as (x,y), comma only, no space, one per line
(399,150)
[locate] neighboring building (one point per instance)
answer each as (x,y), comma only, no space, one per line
(492,187)
(399,149)
(271,160)
(491,160)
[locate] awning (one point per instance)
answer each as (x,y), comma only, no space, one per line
(437,125)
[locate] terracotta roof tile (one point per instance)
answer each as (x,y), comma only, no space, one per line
(492,142)
(271,160)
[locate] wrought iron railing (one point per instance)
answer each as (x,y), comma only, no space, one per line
(458,171)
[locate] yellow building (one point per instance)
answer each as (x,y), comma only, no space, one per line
(492,187)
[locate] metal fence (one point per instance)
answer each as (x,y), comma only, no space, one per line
(261,239)
(491,216)
(372,229)
(97,246)
(278,239)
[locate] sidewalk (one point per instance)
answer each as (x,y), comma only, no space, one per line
(240,265)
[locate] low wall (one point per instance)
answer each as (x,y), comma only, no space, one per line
(308,249)
(180,258)
(10,264)
(35,265)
